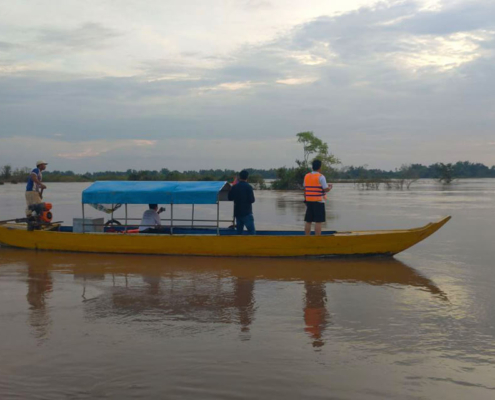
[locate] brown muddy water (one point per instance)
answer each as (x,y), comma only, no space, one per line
(417,326)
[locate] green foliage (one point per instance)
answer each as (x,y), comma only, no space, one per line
(313,145)
(20,175)
(145,175)
(6,172)
(257,181)
(446,173)
(289,178)
(285,178)
(461,169)
(466,169)
(256,176)
(313,148)
(62,176)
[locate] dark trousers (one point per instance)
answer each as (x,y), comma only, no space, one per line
(246,221)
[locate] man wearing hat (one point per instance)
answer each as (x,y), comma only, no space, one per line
(34,186)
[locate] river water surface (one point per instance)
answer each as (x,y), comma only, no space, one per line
(417,326)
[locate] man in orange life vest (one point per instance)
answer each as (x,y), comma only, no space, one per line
(315,187)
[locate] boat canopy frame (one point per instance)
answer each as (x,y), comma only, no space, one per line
(158,192)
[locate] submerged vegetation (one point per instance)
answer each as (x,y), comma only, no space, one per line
(405,177)
(446,173)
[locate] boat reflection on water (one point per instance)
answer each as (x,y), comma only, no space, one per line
(316,316)
(40,286)
(156,291)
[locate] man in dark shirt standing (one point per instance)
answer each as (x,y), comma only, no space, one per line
(243,196)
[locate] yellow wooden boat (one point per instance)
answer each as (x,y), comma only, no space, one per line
(203,241)
(264,244)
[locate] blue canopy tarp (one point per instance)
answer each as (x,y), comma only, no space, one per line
(130,192)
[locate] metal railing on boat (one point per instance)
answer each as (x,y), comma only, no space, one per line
(192,220)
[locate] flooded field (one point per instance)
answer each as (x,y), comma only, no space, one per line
(417,326)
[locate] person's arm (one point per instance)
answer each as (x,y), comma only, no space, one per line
(325,186)
(251,195)
(34,177)
(231,194)
(158,223)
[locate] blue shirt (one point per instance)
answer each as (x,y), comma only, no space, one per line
(30,183)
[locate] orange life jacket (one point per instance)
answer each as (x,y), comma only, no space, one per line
(313,191)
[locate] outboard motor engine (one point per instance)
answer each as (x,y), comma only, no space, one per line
(41,216)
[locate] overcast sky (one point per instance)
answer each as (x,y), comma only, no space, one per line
(111,85)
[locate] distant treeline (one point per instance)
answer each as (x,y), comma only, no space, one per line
(257,176)
(461,169)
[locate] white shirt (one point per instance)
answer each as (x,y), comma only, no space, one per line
(151,219)
(322,179)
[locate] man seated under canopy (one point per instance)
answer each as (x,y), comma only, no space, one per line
(150,223)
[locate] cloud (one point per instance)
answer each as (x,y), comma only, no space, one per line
(229,86)
(296,81)
(89,36)
(378,83)
(458,16)
(142,142)
(102,147)
(6,46)
(256,4)
(310,59)
(87,153)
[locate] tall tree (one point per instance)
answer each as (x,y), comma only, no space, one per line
(446,173)
(314,146)
(6,172)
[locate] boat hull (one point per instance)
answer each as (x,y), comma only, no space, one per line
(359,243)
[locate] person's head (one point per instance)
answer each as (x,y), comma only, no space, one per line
(153,206)
(41,165)
(243,175)
(316,165)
